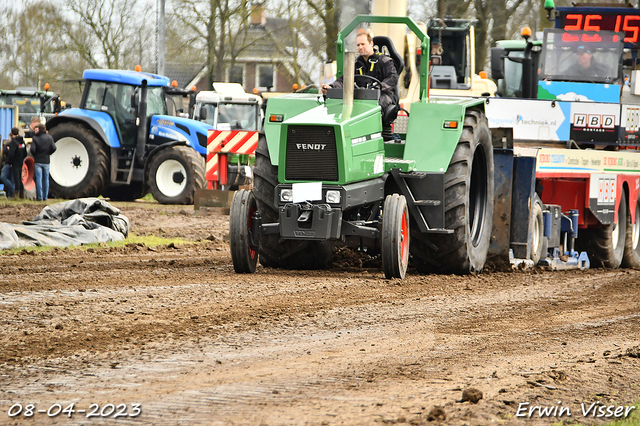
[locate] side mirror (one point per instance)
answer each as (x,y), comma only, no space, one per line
(203,114)
(134,99)
(497,62)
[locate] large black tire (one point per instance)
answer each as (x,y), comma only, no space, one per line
(539,242)
(631,257)
(243,254)
(605,245)
(80,166)
(468,201)
(274,251)
(395,236)
(174,175)
(129,192)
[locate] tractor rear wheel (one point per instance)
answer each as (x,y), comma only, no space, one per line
(275,252)
(243,254)
(395,236)
(174,175)
(468,199)
(605,245)
(80,166)
(631,258)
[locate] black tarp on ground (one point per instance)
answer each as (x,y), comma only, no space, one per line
(75,222)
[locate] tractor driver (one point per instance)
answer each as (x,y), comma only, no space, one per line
(375,65)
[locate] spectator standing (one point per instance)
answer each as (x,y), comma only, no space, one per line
(17,151)
(6,175)
(42,146)
(35,120)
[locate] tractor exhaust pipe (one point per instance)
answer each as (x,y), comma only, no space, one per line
(348,83)
(142,123)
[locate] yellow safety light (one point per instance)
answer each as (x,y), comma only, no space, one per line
(483,74)
(174,83)
(138,68)
(46,86)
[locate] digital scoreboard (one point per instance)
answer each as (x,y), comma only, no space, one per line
(596,19)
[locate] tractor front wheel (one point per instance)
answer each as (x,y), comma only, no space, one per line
(395,236)
(243,253)
(174,175)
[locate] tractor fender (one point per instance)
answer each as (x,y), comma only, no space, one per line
(99,122)
(438,124)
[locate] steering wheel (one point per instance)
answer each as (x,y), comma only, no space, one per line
(376,84)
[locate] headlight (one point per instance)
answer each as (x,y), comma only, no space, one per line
(332,197)
(286,195)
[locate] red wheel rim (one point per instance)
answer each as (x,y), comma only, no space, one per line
(28,170)
(404,253)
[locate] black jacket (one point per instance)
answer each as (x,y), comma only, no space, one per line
(42,146)
(17,151)
(382,68)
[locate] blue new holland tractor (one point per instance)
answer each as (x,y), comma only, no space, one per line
(121,142)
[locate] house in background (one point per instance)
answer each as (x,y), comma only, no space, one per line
(263,64)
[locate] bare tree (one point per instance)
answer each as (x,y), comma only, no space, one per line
(31,53)
(218,25)
(110,33)
(492,18)
(294,40)
(328,12)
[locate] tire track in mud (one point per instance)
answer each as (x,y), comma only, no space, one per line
(311,353)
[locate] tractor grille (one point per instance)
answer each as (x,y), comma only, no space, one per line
(311,154)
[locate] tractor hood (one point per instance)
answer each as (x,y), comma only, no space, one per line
(361,119)
(330,142)
(168,127)
(335,113)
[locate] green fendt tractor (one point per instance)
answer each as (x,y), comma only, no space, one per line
(327,172)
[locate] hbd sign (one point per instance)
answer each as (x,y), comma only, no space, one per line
(594,121)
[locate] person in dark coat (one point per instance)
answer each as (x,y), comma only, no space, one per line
(16,152)
(42,146)
(375,65)
(6,174)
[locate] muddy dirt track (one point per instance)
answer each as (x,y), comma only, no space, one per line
(176,331)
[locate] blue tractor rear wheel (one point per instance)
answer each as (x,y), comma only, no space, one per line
(80,166)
